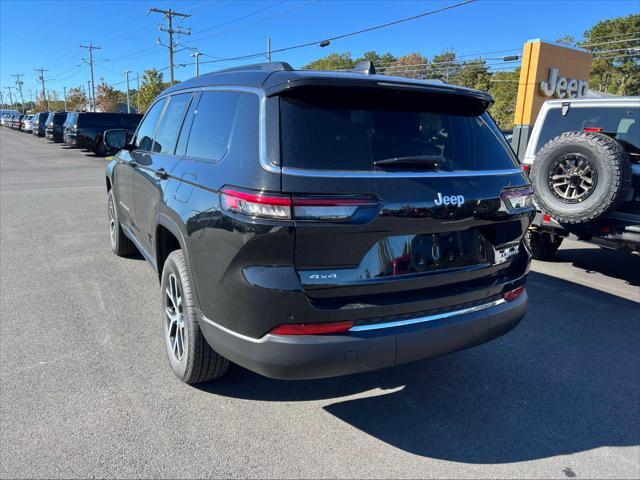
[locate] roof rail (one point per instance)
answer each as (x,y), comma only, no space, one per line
(365,66)
(267,67)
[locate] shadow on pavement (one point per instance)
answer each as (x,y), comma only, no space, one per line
(566,380)
(621,264)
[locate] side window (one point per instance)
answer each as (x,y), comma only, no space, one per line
(144,137)
(212,125)
(170,123)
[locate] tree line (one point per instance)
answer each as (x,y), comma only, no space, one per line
(615,69)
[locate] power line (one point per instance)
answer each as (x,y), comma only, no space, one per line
(326,41)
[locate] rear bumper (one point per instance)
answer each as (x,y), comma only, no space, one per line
(319,356)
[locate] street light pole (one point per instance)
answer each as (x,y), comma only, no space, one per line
(126,73)
(197,55)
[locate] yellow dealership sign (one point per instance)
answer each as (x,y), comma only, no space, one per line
(548,71)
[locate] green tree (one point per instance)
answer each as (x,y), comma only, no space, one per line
(378,60)
(413,65)
(504,88)
(76,99)
(473,74)
(616,66)
(334,61)
(151,86)
(444,66)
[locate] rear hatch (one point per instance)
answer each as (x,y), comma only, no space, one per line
(398,193)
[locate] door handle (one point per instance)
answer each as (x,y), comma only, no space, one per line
(162,173)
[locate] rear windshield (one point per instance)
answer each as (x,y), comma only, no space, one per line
(111,120)
(622,123)
(59,118)
(347,129)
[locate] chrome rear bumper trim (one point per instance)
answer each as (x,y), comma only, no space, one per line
(429,318)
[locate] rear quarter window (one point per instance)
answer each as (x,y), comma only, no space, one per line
(212,127)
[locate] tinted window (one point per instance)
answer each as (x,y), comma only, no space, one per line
(621,123)
(144,137)
(347,129)
(110,120)
(49,119)
(212,125)
(170,123)
(59,118)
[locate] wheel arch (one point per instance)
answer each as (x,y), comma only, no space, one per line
(169,237)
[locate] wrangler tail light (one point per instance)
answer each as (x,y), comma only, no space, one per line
(312,328)
(296,207)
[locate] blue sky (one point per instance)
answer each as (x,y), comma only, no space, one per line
(47,33)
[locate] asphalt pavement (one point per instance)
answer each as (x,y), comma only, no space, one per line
(85,389)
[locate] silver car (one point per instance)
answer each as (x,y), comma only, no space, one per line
(27,124)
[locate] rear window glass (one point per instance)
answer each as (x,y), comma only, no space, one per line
(348,129)
(622,123)
(59,118)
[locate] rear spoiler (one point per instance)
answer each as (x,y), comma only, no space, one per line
(478,102)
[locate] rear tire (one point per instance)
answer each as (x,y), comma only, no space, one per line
(190,356)
(121,245)
(543,246)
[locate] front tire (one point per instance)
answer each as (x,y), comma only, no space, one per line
(190,356)
(121,245)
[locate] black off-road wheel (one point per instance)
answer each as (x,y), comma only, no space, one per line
(190,356)
(120,243)
(543,246)
(579,177)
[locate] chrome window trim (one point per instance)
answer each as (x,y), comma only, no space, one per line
(428,318)
(303,172)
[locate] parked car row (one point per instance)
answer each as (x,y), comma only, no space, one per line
(74,129)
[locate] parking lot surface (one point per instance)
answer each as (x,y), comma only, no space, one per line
(86,390)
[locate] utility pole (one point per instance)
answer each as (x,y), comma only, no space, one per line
(126,73)
(197,55)
(10,97)
(91,48)
(91,101)
(269,47)
(19,84)
(44,92)
(169,14)
(138,92)
(1,100)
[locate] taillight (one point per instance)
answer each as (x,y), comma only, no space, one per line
(312,328)
(511,295)
(526,167)
(296,207)
(517,197)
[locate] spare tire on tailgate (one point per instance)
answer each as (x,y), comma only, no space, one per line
(580,176)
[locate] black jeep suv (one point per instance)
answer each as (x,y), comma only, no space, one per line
(308,224)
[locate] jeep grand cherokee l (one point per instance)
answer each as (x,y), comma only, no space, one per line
(309,224)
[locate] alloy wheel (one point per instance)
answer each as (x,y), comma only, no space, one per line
(176,325)
(573,178)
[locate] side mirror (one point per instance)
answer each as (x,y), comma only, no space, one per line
(115,139)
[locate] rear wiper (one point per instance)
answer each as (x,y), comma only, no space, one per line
(421,162)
